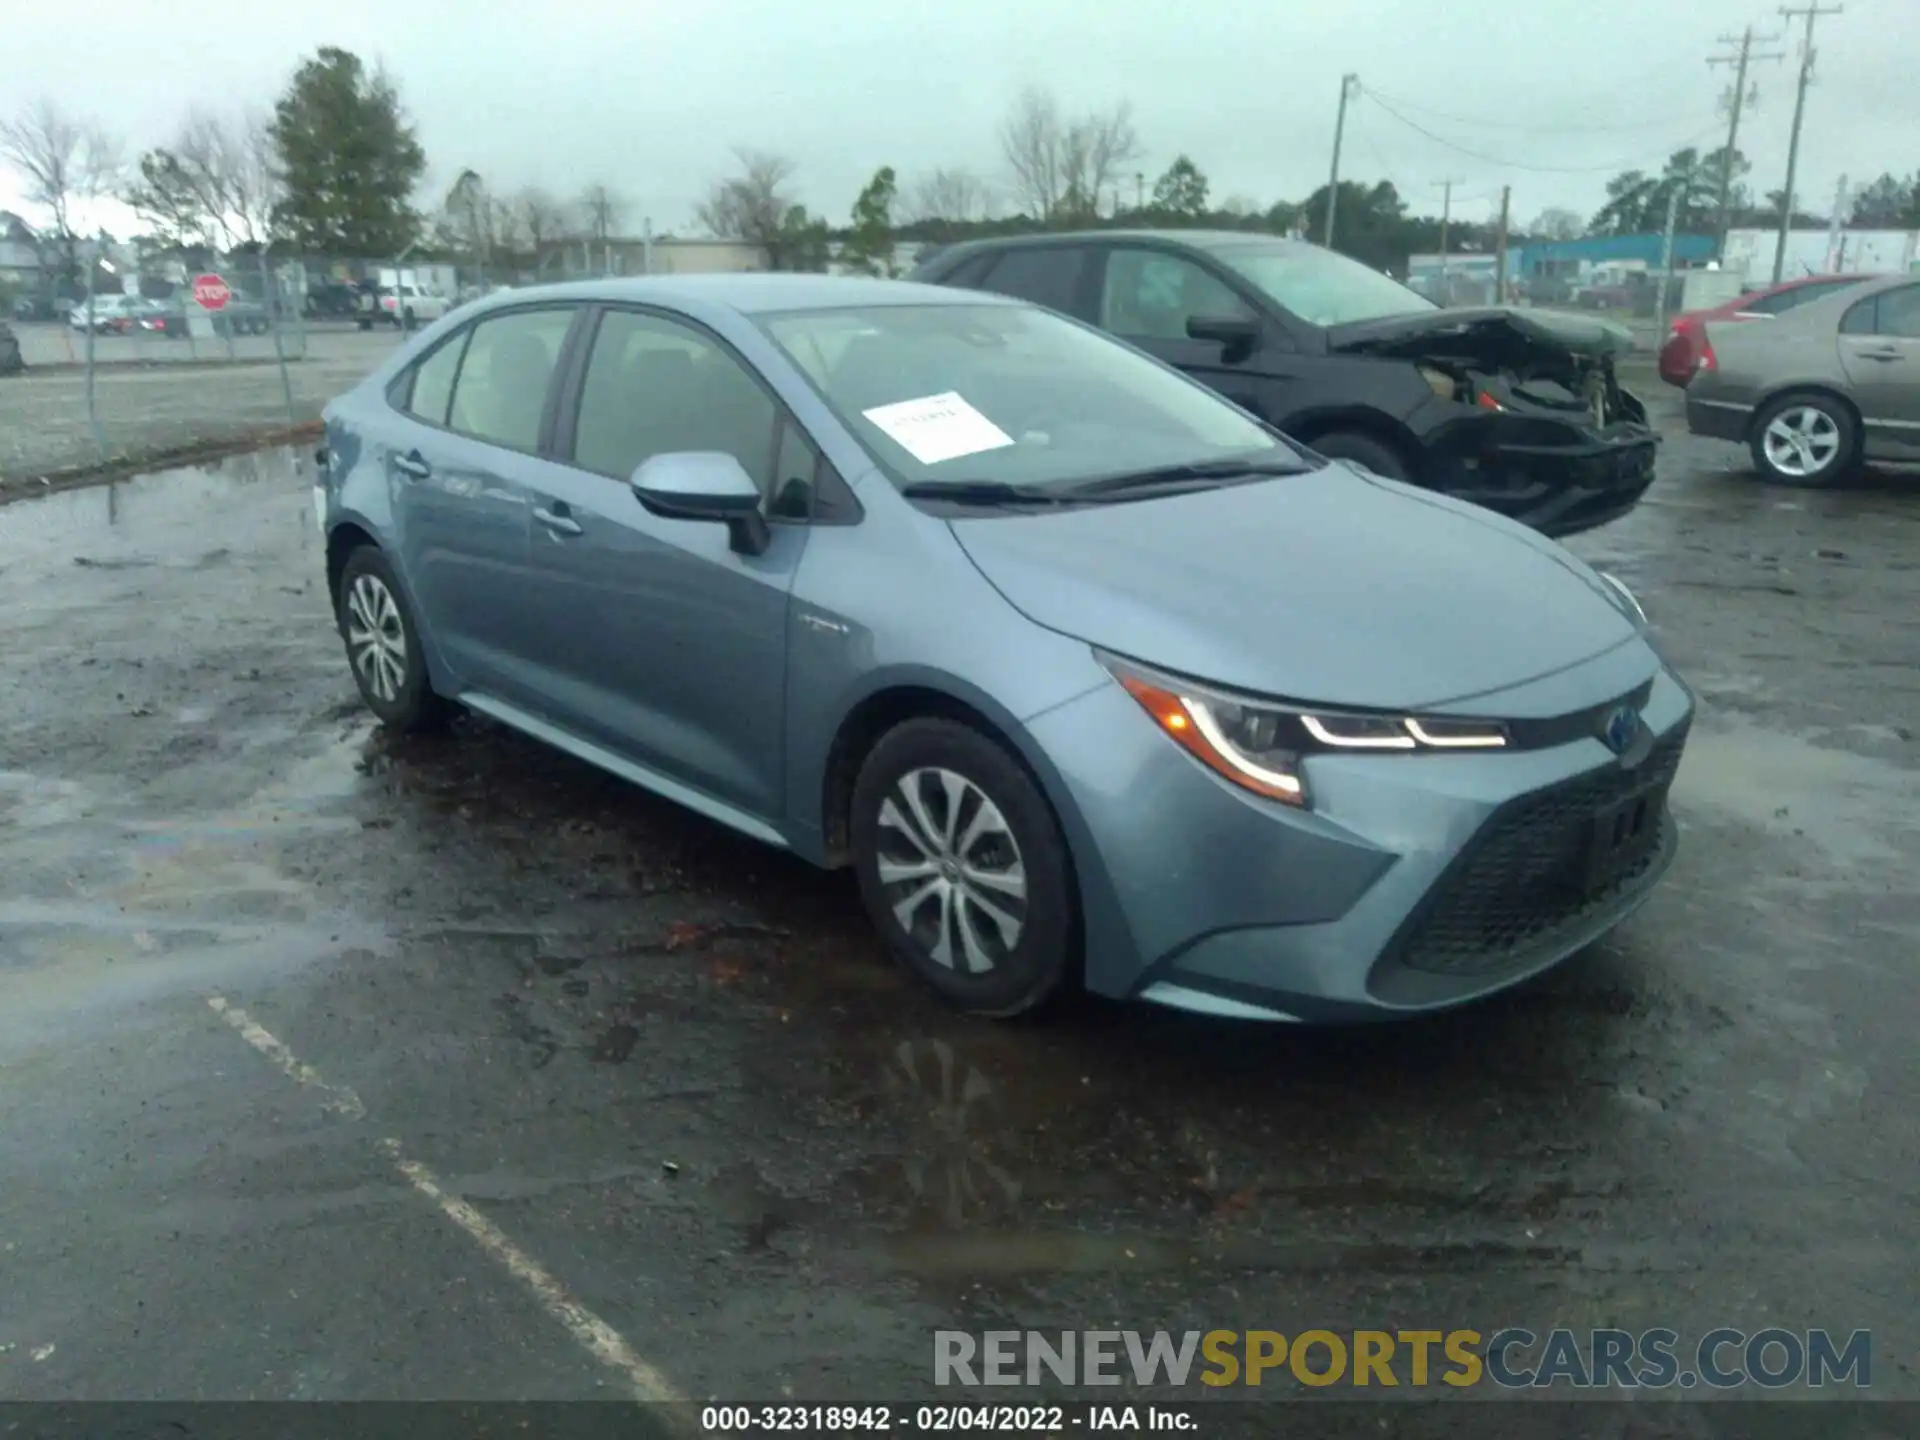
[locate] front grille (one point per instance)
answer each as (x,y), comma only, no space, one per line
(1522,881)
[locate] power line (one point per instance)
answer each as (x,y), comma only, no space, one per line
(1632,163)
(1583,128)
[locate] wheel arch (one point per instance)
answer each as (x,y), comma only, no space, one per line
(1317,424)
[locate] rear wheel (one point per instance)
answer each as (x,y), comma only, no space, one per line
(1376,455)
(963,869)
(1804,439)
(383,645)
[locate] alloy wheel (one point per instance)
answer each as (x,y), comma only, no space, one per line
(1801,441)
(951,870)
(376,637)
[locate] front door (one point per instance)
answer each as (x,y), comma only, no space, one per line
(664,643)
(458,471)
(1880,349)
(1147,297)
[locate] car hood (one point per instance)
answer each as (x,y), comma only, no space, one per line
(1332,586)
(1493,330)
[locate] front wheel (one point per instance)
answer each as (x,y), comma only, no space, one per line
(963,869)
(1370,454)
(383,645)
(1807,439)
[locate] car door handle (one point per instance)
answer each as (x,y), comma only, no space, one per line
(1880,354)
(412,465)
(558,521)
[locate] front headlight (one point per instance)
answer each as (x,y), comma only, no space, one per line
(1625,598)
(1260,745)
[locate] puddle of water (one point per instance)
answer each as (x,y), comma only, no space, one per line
(69,519)
(1855,809)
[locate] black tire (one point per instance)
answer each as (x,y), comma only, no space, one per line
(1044,954)
(411,704)
(1376,455)
(1830,421)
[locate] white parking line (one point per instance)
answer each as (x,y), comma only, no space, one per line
(344,1101)
(593,1334)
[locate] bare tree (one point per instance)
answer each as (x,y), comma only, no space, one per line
(601,211)
(61,162)
(541,219)
(216,181)
(945,194)
(752,205)
(1060,167)
(468,213)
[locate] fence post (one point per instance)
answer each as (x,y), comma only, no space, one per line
(271,293)
(93,414)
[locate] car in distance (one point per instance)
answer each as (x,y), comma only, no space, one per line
(11,362)
(1088,675)
(1825,386)
(1516,410)
(1680,354)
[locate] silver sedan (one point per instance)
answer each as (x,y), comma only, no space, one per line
(1819,389)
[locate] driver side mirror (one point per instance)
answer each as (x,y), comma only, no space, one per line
(705,485)
(1237,334)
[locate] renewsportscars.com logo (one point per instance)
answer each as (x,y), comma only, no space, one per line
(1721,1359)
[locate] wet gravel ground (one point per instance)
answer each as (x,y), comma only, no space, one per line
(672,1070)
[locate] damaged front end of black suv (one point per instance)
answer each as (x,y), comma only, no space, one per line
(1527,416)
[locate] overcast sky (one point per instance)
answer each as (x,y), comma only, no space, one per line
(649,95)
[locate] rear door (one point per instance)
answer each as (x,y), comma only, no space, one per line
(1880,349)
(476,416)
(662,642)
(1146,296)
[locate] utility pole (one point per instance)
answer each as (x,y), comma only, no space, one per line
(1738,103)
(1836,225)
(1811,12)
(1500,249)
(1446,219)
(1139,190)
(1666,261)
(1349,85)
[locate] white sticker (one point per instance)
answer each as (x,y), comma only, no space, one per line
(938,427)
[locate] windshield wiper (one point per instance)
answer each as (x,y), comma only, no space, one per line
(980,492)
(1176,477)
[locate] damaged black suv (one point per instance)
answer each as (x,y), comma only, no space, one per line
(1517,410)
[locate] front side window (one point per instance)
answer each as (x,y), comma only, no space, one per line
(500,393)
(657,387)
(1321,286)
(1009,393)
(1150,295)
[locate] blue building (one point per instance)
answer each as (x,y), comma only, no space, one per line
(1543,259)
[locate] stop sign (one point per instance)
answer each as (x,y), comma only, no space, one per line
(210,292)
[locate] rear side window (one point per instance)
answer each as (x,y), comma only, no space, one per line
(1898,313)
(500,395)
(433,381)
(1805,293)
(969,272)
(1046,275)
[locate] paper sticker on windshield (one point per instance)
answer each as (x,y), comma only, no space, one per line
(938,427)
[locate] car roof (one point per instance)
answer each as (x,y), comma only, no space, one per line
(1191,239)
(754,292)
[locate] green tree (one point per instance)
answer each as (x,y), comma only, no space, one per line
(1181,191)
(348,157)
(801,242)
(171,199)
(1889,203)
(869,245)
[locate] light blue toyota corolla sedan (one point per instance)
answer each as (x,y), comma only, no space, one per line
(1089,675)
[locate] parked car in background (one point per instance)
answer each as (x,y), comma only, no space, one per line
(1681,351)
(109,314)
(1516,410)
(1089,675)
(11,361)
(331,300)
(1820,388)
(408,305)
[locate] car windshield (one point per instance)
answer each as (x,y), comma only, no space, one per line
(1320,286)
(1010,394)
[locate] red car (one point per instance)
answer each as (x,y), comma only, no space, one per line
(1682,350)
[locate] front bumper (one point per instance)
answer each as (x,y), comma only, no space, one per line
(1415,883)
(1549,473)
